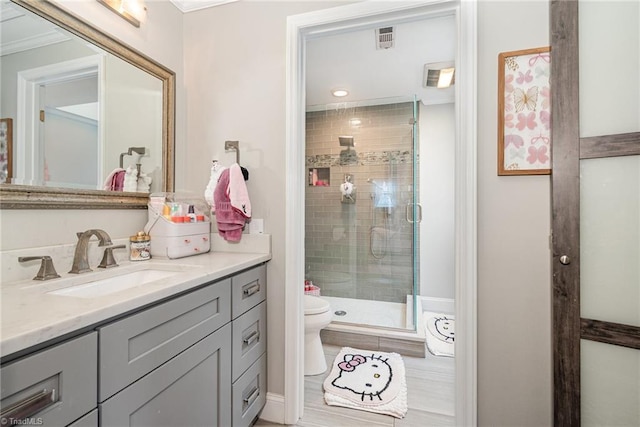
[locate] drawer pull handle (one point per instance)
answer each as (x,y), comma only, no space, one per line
(27,407)
(252,289)
(251,338)
(252,397)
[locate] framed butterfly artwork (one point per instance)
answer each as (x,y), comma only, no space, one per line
(524,112)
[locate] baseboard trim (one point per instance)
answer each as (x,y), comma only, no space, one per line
(273,410)
(438,305)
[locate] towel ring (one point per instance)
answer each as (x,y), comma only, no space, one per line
(231,146)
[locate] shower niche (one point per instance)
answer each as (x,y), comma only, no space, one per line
(319,177)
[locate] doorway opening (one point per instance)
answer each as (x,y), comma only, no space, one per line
(59,117)
(302,28)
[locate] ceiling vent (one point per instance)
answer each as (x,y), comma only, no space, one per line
(440,75)
(384,37)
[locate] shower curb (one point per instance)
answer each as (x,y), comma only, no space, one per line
(413,346)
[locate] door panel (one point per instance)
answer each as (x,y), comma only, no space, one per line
(609,60)
(610,385)
(610,239)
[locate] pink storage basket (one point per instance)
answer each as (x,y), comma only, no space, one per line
(311,289)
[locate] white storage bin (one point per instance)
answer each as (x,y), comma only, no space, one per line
(177,240)
(171,240)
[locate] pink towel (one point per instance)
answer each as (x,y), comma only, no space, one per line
(230,221)
(238,194)
(115,180)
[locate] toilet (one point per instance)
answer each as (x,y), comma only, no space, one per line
(317,315)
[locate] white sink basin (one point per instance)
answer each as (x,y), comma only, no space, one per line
(109,285)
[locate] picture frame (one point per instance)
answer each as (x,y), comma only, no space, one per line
(524,112)
(6,150)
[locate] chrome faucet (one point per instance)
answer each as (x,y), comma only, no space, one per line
(81,256)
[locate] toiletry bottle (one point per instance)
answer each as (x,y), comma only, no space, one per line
(166,212)
(174,209)
(191,214)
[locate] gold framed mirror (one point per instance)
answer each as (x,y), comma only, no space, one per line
(31,195)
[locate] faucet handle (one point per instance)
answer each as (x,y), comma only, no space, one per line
(47,271)
(108,260)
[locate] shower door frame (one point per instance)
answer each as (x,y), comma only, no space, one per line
(299,27)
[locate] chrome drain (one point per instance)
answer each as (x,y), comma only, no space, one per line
(340,313)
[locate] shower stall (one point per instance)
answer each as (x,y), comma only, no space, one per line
(362,212)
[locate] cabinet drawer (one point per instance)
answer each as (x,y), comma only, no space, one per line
(248,289)
(62,381)
(250,393)
(134,346)
(249,338)
(173,247)
(192,389)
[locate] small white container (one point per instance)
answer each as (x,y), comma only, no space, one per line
(140,247)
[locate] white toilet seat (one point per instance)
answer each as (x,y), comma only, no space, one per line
(315,305)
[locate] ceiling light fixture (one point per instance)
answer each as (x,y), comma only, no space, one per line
(131,10)
(340,93)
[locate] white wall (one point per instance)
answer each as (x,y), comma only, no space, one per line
(514,272)
(437,173)
(235,84)
(159,38)
(235,81)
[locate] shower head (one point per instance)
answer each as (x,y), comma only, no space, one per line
(346,141)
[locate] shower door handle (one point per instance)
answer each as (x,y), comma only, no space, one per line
(410,218)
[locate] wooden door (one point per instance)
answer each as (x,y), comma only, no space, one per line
(595,217)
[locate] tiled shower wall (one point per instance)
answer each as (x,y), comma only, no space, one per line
(356,250)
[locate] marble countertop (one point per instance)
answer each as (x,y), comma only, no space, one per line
(31,315)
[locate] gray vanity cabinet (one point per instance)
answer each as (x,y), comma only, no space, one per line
(134,346)
(192,389)
(249,345)
(53,387)
(195,360)
(89,420)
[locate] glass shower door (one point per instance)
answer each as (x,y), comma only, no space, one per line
(360,247)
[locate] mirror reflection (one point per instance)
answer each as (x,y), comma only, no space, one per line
(83,118)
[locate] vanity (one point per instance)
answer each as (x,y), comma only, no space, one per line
(188,348)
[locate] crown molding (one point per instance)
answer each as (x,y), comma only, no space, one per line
(191,5)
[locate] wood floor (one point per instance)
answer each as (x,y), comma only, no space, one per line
(430,395)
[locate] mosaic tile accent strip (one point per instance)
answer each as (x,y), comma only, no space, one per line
(352,157)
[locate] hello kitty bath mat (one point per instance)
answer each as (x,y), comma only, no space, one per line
(368,380)
(440,333)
